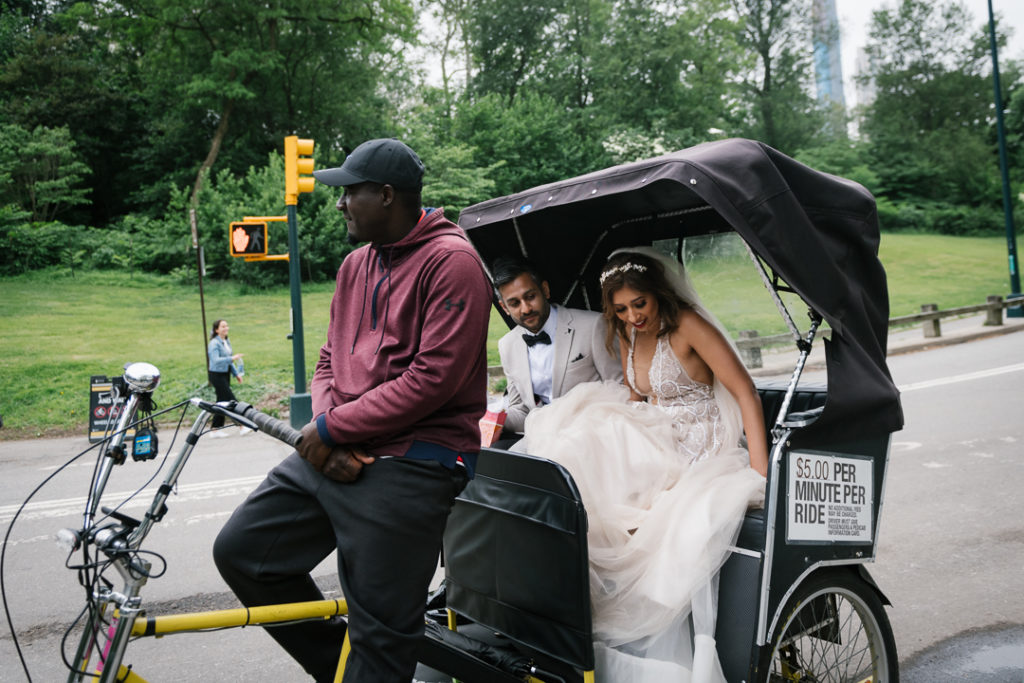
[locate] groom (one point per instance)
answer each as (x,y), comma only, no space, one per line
(551,349)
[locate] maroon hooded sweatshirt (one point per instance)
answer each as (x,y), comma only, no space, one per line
(405,358)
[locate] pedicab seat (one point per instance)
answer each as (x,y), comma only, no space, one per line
(808,401)
(516,556)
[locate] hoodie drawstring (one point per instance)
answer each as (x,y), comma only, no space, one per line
(362,308)
(386,268)
(387,301)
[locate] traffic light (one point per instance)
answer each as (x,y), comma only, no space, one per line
(297,170)
(248,239)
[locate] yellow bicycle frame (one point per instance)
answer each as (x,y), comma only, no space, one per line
(159,626)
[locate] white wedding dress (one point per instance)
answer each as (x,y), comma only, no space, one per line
(665,487)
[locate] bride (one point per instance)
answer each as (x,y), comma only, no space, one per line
(660,469)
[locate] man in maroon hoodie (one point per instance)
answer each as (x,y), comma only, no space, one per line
(398,393)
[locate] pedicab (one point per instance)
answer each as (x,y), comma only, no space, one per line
(796,601)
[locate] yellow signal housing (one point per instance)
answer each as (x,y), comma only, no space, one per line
(298,168)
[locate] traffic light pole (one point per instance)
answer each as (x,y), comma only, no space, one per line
(1011,234)
(301,407)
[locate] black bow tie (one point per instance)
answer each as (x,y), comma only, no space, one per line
(541,338)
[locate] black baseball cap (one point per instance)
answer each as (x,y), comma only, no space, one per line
(386,160)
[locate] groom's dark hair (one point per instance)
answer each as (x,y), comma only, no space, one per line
(505,269)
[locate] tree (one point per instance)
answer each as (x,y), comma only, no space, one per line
(265,69)
(452,46)
(509,42)
(777,83)
(539,139)
(664,69)
(1012,74)
(626,67)
(843,158)
(453,180)
(930,122)
(40,171)
(58,76)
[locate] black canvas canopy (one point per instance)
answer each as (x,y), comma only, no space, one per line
(816,232)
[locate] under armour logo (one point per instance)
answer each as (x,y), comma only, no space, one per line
(449,304)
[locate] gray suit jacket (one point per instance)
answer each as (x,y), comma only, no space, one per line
(579,356)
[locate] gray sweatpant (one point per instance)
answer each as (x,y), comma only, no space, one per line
(387,528)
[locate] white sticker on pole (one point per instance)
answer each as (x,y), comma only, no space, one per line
(830,498)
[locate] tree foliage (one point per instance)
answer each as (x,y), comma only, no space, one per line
(236,75)
(142,109)
(775,95)
(930,125)
(40,171)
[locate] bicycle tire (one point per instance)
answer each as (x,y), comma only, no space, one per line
(833,629)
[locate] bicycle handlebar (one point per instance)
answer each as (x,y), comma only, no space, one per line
(279,429)
(118,543)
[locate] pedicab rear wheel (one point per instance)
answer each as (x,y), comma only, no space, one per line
(833,628)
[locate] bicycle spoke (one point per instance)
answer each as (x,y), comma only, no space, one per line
(831,637)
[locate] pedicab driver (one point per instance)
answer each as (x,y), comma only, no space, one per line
(397,394)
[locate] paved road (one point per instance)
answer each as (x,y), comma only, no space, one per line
(953,526)
(220,473)
(950,547)
(951,542)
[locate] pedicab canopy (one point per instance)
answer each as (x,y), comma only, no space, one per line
(815,232)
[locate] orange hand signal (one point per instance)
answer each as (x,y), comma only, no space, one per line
(240,239)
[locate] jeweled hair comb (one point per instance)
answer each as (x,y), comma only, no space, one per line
(621,269)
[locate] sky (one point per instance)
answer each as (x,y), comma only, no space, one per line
(855,18)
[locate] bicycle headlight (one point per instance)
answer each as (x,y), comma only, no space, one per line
(68,540)
(142,377)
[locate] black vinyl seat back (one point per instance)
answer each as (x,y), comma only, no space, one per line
(805,398)
(516,556)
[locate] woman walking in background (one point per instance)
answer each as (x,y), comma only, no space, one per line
(221,368)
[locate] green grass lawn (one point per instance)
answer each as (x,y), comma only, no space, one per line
(58,330)
(942,270)
(921,269)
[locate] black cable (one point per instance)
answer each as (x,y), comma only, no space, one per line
(3,554)
(64,642)
(21,508)
(148,574)
(95,621)
(163,462)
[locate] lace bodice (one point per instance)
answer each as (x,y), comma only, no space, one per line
(695,414)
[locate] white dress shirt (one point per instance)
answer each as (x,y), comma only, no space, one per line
(542,358)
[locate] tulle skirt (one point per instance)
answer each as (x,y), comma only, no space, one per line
(659,529)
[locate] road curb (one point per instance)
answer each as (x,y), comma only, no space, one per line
(817,361)
(949,340)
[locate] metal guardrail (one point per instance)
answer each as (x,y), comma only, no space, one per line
(930,314)
(750,344)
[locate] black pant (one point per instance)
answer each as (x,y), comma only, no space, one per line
(221,382)
(387,528)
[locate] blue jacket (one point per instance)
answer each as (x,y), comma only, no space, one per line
(219,353)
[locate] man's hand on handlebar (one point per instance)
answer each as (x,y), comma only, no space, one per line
(311,448)
(341,463)
(344,464)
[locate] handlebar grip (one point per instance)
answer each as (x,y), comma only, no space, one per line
(279,429)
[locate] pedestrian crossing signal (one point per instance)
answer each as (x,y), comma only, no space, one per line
(248,239)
